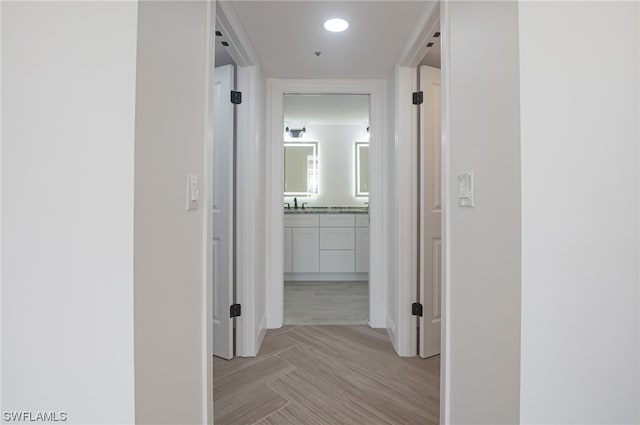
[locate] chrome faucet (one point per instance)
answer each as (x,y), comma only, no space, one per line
(288,205)
(295,203)
(303,204)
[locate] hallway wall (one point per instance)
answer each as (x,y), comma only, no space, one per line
(558,341)
(580,230)
(483,311)
(68,94)
(170,371)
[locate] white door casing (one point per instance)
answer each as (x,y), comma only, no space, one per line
(222,212)
(377,91)
(430,212)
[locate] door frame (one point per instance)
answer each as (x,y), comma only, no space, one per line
(411,57)
(377,90)
(248,137)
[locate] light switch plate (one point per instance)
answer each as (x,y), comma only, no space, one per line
(465,189)
(193,192)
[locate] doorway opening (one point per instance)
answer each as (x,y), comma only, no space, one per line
(223,156)
(326,201)
(327,237)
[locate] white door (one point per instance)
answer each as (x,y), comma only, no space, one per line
(222,210)
(430,241)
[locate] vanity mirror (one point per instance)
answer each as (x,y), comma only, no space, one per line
(319,156)
(300,169)
(362,168)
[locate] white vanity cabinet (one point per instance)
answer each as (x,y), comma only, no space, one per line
(330,246)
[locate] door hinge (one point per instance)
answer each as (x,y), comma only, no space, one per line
(235,310)
(236,97)
(416,309)
(418,97)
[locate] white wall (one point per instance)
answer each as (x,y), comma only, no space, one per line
(483,310)
(68,93)
(336,165)
(580,331)
(170,372)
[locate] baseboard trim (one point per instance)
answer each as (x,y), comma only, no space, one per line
(325,277)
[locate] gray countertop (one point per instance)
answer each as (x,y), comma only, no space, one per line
(327,210)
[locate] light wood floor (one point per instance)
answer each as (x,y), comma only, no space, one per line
(326,303)
(326,375)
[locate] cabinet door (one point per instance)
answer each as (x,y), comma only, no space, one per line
(337,238)
(306,250)
(288,250)
(337,261)
(362,250)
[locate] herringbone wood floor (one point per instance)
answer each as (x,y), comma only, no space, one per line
(326,375)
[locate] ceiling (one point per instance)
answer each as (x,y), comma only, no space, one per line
(434,53)
(326,109)
(285,35)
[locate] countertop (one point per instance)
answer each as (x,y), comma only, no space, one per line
(327,210)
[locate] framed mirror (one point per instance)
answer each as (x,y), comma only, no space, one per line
(301,169)
(362,168)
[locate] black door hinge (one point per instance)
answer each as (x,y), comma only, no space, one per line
(236,97)
(235,310)
(416,309)
(418,97)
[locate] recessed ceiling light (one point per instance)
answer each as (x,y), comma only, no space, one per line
(336,25)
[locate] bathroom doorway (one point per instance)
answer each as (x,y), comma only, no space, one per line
(326,203)
(335,243)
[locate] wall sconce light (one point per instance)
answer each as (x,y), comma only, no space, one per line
(295,133)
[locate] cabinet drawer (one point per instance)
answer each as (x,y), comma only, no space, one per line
(337,220)
(337,261)
(337,238)
(301,220)
(362,220)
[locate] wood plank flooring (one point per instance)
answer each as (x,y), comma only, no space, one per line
(326,375)
(326,303)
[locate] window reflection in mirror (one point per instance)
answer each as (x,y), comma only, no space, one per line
(362,168)
(301,169)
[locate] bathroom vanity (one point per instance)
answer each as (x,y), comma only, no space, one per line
(326,244)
